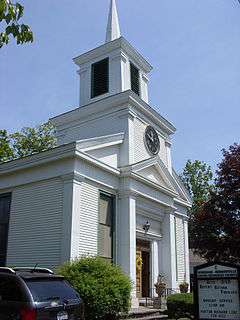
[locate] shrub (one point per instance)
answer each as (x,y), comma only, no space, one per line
(180,305)
(104,288)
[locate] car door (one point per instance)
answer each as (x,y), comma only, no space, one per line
(11,298)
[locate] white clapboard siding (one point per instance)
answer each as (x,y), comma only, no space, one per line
(180,237)
(140,152)
(36,221)
(89,220)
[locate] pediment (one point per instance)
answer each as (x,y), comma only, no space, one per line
(154,170)
(153,174)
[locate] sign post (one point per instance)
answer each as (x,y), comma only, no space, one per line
(217,291)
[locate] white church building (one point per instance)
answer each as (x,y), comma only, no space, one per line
(108,188)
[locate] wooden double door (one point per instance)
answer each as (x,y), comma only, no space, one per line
(143,269)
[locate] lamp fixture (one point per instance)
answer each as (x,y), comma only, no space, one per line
(146,226)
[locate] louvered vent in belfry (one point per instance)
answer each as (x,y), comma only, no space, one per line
(134,79)
(100,78)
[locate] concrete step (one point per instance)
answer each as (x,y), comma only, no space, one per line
(153,317)
(145,314)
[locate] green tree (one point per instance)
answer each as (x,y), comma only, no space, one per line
(216,224)
(10,15)
(197,177)
(26,142)
(33,140)
(6,152)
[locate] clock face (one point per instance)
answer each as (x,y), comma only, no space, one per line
(152,141)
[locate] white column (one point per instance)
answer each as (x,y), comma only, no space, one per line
(126,253)
(71,218)
(85,86)
(155,263)
(187,264)
(67,219)
(144,87)
(169,157)
(167,251)
(76,210)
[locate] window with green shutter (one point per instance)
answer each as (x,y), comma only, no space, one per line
(135,85)
(106,226)
(5,202)
(100,78)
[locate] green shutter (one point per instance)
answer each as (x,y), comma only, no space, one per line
(5,203)
(100,78)
(134,79)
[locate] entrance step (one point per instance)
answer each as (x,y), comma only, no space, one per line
(145,314)
(154,317)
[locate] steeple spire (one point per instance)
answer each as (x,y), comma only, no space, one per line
(113,27)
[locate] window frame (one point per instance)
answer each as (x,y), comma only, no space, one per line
(113,233)
(133,66)
(93,94)
(6,225)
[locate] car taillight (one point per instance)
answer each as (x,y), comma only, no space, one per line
(28,314)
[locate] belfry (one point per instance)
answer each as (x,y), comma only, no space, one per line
(108,188)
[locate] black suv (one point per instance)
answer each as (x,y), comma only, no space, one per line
(37,294)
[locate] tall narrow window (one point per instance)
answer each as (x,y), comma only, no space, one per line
(100,78)
(5,202)
(106,227)
(135,86)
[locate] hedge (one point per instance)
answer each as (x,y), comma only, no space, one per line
(104,288)
(180,306)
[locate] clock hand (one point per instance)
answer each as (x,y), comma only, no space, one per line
(150,137)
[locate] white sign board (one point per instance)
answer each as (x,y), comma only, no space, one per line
(218,293)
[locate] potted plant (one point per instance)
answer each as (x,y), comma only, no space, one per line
(184,287)
(160,288)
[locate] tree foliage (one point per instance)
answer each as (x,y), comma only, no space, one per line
(6,151)
(10,16)
(197,177)
(216,225)
(26,142)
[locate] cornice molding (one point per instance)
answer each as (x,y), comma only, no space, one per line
(58,153)
(120,43)
(127,100)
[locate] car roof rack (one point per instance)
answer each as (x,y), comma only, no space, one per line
(7,270)
(34,270)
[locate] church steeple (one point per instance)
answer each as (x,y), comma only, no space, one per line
(113,67)
(113,27)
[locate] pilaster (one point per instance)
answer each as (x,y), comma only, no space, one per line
(186,243)
(71,217)
(126,257)
(155,262)
(167,251)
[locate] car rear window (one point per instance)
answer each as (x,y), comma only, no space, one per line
(46,290)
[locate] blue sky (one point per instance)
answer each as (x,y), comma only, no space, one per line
(194,46)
